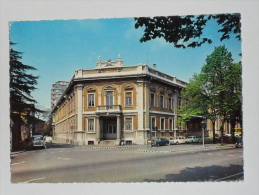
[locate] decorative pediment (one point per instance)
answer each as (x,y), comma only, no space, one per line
(128,88)
(109,63)
(152,88)
(91,90)
(162,91)
(109,88)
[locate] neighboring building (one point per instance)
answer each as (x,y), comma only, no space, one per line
(120,103)
(57,90)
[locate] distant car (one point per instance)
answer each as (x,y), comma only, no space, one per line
(48,139)
(159,142)
(192,139)
(38,141)
(239,143)
(178,140)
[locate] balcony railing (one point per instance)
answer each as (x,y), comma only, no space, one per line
(108,108)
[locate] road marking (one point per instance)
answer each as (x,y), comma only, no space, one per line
(18,163)
(63,158)
(228,176)
(219,154)
(33,179)
(231,155)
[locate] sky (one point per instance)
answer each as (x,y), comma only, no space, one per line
(56,48)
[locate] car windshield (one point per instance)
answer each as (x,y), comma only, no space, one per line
(37,138)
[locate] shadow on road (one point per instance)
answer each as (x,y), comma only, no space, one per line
(54,145)
(210,173)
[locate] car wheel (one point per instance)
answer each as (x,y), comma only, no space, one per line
(157,145)
(177,143)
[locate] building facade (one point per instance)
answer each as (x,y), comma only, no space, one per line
(57,90)
(121,103)
(117,102)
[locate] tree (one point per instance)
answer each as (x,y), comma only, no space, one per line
(199,100)
(216,91)
(187,31)
(21,86)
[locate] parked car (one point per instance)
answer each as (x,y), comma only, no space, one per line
(159,142)
(192,139)
(178,140)
(38,141)
(48,139)
(239,143)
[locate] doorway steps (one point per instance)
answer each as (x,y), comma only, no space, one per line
(109,143)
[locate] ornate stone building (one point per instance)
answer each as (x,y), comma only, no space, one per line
(118,103)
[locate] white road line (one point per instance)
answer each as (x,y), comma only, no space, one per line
(231,155)
(63,158)
(228,176)
(18,163)
(33,179)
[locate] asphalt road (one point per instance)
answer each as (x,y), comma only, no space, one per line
(67,164)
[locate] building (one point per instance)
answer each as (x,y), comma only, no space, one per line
(119,103)
(57,90)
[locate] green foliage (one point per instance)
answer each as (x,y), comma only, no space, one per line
(187,31)
(21,84)
(216,91)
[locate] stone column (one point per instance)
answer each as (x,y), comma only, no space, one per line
(80,108)
(147,105)
(118,127)
(140,106)
(175,107)
(98,128)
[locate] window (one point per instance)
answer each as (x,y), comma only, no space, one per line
(161,101)
(152,99)
(162,123)
(153,123)
(179,102)
(128,98)
(128,124)
(90,100)
(109,98)
(90,124)
(171,124)
(170,103)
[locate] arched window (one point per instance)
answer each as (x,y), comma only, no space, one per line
(109,97)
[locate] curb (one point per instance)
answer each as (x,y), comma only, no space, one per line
(100,147)
(185,150)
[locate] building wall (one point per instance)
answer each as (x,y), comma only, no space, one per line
(74,113)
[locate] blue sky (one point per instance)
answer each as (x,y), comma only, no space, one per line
(58,47)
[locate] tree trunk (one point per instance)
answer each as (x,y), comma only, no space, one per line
(16,132)
(221,130)
(213,132)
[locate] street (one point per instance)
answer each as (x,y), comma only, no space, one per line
(66,164)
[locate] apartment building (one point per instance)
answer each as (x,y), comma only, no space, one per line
(56,91)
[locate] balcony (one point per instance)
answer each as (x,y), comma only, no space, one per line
(108,109)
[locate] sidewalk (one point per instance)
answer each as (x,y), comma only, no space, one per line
(148,148)
(186,148)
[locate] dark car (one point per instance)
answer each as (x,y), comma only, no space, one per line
(239,143)
(160,142)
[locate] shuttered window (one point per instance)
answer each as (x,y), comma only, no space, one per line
(128,98)
(128,123)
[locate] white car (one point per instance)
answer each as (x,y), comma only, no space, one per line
(177,140)
(192,139)
(38,141)
(48,139)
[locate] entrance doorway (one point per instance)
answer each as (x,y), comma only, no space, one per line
(110,128)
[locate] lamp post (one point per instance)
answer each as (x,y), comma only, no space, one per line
(203,126)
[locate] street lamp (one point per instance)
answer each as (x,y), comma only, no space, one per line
(203,126)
